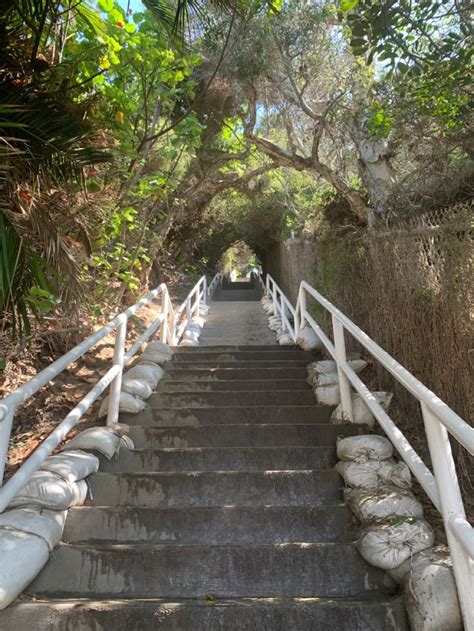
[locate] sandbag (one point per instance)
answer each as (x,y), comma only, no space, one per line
(308,340)
(47,524)
(127,403)
(49,490)
(285,340)
(360,412)
(265,298)
(360,475)
(137,388)
(154,357)
(323,379)
(366,446)
(387,546)
(100,439)
(328,366)
(431,598)
(395,475)
(149,372)
(22,557)
(159,347)
(71,465)
(382,505)
(189,334)
(328,394)
(187,342)
(198,321)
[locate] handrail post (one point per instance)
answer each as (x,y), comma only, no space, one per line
(6,424)
(341,358)
(116,385)
(205,290)
(188,310)
(302,303)
(451,505)
(165,307)
(283,314)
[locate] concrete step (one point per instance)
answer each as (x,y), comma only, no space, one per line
(170,571)
(223,525)
(223,488)
(236,295)
(194,417)
(235,384)
(371,612)
(247,356)
(257,435)
(231,398)
(221,458)
(247,365)
(235,374)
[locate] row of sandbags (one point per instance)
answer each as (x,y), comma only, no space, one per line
(394,535)
(139,381)
(194,328)
(34,521)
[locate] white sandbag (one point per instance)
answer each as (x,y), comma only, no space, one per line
(159,347)
(196,328)
(308,340)
(99,439)
(151,373)
(388,545)
(323,379)
(154,357)
(328,395)
(49,490)
(360,475)
(268,307)
(265,298)
(285,340)
(127,403)
(189,334)
(395,475)
(121,429)
(186,342)
(431,598)
(360,412)
(47,524)
(366,446)
(328,366)
(72,465)
(275,327)
(137,388)
(382,505)
(22,557)
(198,321)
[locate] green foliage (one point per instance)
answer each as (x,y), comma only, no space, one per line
(426,46)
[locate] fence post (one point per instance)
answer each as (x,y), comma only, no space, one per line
(451,505)
(341,358)
(116,385)
(165,306)
(6,423)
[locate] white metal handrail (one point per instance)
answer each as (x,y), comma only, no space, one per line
(167,322)
(439,419)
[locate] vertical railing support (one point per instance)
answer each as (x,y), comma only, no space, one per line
(165,309)
(188,310)
(451,505)
(283,314)
(6,424)
(299,324)
(341,358)
(205,291)
(116,385)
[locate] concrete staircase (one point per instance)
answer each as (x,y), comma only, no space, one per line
(227,516)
